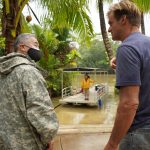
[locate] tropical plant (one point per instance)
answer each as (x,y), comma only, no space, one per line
(71,14)
(11,21)
(2,40)
(104,31)
(64,13)
(2,45)
(0,8)
(142,23)
(56,54)
(145,8)
(144,5)
(48,44)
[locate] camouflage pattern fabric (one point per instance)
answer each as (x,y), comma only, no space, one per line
(27,117)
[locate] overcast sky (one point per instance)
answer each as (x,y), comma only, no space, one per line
(95,17)
(93,14)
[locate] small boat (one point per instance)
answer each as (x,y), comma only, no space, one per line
(73,95)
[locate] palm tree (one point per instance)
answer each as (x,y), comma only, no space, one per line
(144,7)
(70,14)
(104,31)
(64,13)
(11,21)
(142,23)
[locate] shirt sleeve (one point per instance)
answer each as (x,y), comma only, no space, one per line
(40,111)
(91,81)
(128,67)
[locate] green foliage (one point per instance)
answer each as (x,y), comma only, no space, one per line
(25,27)
(144,5)
(2,44)
(47,40)
(62,33)
(72,57)
(62,50)
(1,8)
(48,44)
(71,14)
(56,54)
(54,82)
(2,51)
(95,55)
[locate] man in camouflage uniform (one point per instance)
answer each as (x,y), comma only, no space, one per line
(27,117)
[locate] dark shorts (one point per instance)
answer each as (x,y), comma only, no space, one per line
(136,140)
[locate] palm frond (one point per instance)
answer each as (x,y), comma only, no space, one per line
(144,5)
(69,13)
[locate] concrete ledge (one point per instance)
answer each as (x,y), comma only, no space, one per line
(72,129)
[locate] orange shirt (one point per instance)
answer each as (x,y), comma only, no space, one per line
(86,83)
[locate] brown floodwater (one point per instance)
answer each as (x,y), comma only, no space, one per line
(69,114)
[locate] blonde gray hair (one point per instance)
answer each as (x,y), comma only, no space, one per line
(128,9)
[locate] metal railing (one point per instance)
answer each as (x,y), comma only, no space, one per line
(101,89)
(67,91)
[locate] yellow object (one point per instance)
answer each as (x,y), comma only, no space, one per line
(86,83)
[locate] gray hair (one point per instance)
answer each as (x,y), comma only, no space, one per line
(22,38)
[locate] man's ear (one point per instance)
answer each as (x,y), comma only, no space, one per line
(22,47)
(123,19)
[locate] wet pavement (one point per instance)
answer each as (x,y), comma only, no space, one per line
(85,127)
(86,141)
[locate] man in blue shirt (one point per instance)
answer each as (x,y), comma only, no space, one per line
(131,129)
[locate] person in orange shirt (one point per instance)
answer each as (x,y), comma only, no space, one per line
(86,85)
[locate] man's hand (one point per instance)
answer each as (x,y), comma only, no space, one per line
(113,63)
(50,145)
(110,147)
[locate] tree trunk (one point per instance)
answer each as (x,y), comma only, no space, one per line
(104,31)
(9,31)
(142,23)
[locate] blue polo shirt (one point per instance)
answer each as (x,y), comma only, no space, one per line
(133,68)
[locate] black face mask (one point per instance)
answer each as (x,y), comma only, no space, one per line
(34,54)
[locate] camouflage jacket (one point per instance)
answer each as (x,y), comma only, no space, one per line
(27,117)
